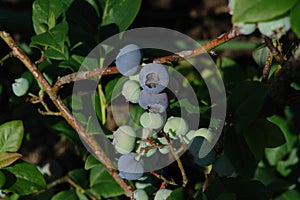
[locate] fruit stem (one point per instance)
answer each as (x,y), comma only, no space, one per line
(179,163)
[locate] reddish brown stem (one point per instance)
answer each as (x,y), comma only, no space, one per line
(267,67)
(82,75)
(65,112)
(199,50)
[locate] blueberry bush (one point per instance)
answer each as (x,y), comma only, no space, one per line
(63,138)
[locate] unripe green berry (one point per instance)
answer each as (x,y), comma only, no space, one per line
(20,86)
(162,194)
(275,28)
(131,90)
(140,195)
(164,142)
(176,126)
(151,120)
(124,139)
(245,28)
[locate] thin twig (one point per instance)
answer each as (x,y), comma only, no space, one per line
(10,54)
(76,125)
(170,182)
(179,163)
(42,59)
(40,99)
(82,75)
(199,50)
(267,67)
(278,57)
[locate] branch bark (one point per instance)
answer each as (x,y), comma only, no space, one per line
(65,112)
(82,75)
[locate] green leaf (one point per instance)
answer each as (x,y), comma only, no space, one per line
(11,135)
(73,63)
(79,176)
(176,194)
(295,16)
(273,136)
(102,184)
(135,113)
(90,162)
(63,195)
(2,179)
(269,177)
(8,158)
(233,45)
(246,101)
(94,3)
(243,189)
(262,133)
(260,55)
(284,166)
(53,38)
(188,106)
(290,134)
(120,12)
(260,10)
(92,126)
(255,141)
(274,155)
(238,153)
(43,14)
(114,88)
(288,195)
(56,54)
(80,194)
(29,179)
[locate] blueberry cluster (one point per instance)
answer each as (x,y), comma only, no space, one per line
(146,86)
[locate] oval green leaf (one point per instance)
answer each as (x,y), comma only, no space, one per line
(295,16)
(11,135)
(260,10)
(120,12)
(29,179)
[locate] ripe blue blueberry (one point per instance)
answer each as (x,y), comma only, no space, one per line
(154,77)
(128,60)
(156,103)
(130,166)
(20,86)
